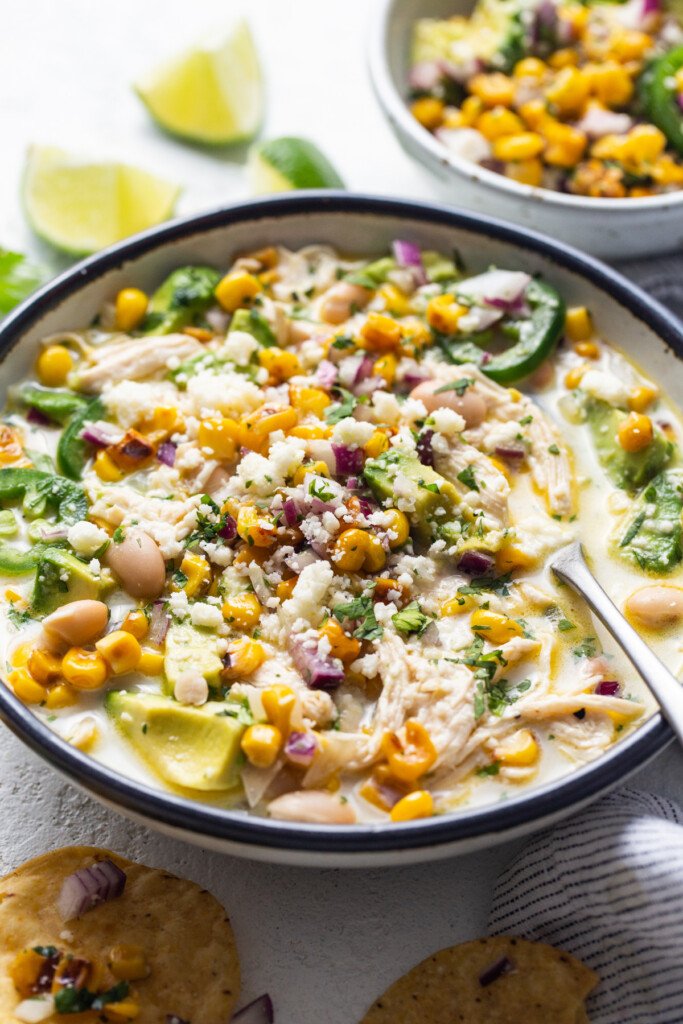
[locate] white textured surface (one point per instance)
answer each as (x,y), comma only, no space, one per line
(324,943)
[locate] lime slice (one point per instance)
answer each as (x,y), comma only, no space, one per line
(82,207)
(211,94)
(280,165)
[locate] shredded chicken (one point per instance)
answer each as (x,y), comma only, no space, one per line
(135,359)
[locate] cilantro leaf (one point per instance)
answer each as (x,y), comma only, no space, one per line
(459,386)
(335,413)
(586,649)
(411,619)
(466,477)
(361,608)
(495,584)
(489,769)
(18,278)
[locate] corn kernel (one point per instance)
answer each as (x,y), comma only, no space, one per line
(278,704)
(344,647)
(261,744)
(428,111)
(573,378)
(566,145)
(106,468)
(382,790)
(237,289)
(131,308)
(380,333)
(493,90)
(458,605)
(21,655)
(85,670)
(120,650)
(85,734)
(635,432)
(219,436)
(243,657)
(280,364)
(128,963)
(45,667)
(520,749)
(529,67)
(25,970)
(125,1009)
(410,759)
(418,804)
(308,401)
(470,110)
(242,611)
(151,662)
(311,433)
(26,688)
(526,172)
(496,123)
(587,350)
(511,558)
(452,118)
(351,549)
(376,556)
(386,367)
(397,527)
(255,528)
(535,114)
(643,144)
(285,589)
(640,398)
(569,91)
(630,44)
(136,623)
(397,303)
(564,58)
(198,572)
(666,171)
(524,146)
(491,626)
(443,313)
(578,324)
(611,83)
(378,443)
(60,696)
(199,334)
(318,468)
(54,365)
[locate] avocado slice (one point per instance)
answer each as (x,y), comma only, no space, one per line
(653,537)
(189,647)
(252,322)
(185,294)
(61,577)
(628,470)
(194,748)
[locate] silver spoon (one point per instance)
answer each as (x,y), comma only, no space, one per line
(570,567)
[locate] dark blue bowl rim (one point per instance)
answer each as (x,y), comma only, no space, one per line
(170,810)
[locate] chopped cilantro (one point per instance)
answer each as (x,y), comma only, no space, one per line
(335,413)
(586,649)
(525,421)
(489,769)
(45,950)
(361,609)
(211,523)
(76,1000)
(179,578)
(466,477)
(434,488)
(118,535)
(459,386)
(411,619)
(564,624)
(238,708)
(317,489)
(553,449)
(18,618)
(343,341)
(495,584)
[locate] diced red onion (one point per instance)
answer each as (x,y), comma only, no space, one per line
(366,387)
(321,451)
(651,7)
(425,452)
(478,318)
(511,450)
(38,418)
(608,688)
(218,320)
(415,375)
(497,969)
(497,288)
(301,748)
(298,561)
(462,71)
(289,507)
(159,622)
(258,1012)
(229,529)
(172,1018)
(679,100)
(256,781)
(89,887)
(476,563)
(347,460)
(318,673)
(100,433)
(351,369)
(326,375)
(408,254)
(166,453)
(598,121)
(486,357)
(51,533)
(352,483)
(425,75)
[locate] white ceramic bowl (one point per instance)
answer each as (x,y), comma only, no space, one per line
(618,229)
(363,225)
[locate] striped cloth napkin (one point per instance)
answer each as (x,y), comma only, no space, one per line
(607,886)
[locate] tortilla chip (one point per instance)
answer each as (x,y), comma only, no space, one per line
(187,938)
(523,981)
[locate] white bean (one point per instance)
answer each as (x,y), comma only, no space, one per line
(470,404)
(341,300)
(77,623)
(191,688)
(656,606)
(138,563)
(313,806)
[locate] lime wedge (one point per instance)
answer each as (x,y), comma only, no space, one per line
(212,93)
(82,207)
(280,165)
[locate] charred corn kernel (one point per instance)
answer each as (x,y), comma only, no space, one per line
(377,444)
(493,124)
(106,468)
(428,111)
(382,790)
(410,759)
(443,313)
(161,423)
(493,90)
(397,526)
(151,662)
(308,433)
(387,589)
(25,970)
(608,147)
(279,364)
(131,308)
(611,83)
(640,398)
(524,146)
(530,67)
(635,432)
(471,109)
(255,528)
(198,572)
(578,324)
(350,550)
(54,365)
(128,963)
(573,378)
(136,623)
(396,301)
(344,647)
(243,658)
(242,611)
(86,670)
(45,667)
(319,468)
(219,436)
(452,118)
(60,696)
(385,367)
(285,589)
(199,333)
(237,289)
(458,605)
(120,650)
(14,596)
(630,44)
(639,191)
(526,172)
(535,114)
(564,58)
(519,750)
(308,401)
(587,350)
(643,144)
(26,688)
(491,626)
(278,704)
(380,333)
(261,744)
(666,171)
(566,145)
(126,1009)
(569,91)
(415,336)
(418,804)
(376,556)
(21,655)
(511,558)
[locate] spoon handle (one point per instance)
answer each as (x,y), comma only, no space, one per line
(570,567)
